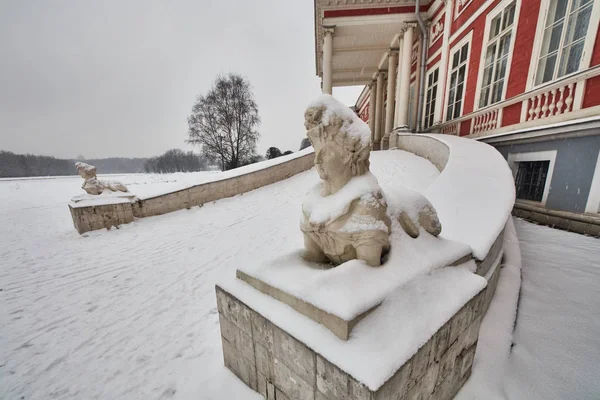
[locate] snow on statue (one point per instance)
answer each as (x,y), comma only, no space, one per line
(346,215)
(92,185)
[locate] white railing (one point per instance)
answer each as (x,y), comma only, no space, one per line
(554,101)
(485,122)
(451,129)
(555,98)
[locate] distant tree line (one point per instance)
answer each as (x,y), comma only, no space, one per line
(176,161)
(22,165)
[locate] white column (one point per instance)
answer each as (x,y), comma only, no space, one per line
(327,59)
(399,78)
(378,111)
(391,95)
(372,103)
(405,78)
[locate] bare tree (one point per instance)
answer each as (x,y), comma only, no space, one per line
(225,121)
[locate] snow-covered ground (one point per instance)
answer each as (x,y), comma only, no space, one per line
(131,313)
(556,351)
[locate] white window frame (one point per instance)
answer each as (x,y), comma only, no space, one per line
(427,73)
(488,26)
(593,203)
(588,46)
(515,158)
(468,38)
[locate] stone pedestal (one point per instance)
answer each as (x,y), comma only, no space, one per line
(91,217)
(279,366)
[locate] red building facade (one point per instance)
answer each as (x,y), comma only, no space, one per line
(522,75)
(497,66)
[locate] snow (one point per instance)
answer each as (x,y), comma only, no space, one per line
(352,125)
(321,209)
(354,287)
(106,197)
(131,313)
(496,331)
(556,354)
(553,352)
(86,167)
(473,195)
(386,338)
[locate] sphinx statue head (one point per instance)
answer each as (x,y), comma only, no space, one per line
(344,215)
(341,153)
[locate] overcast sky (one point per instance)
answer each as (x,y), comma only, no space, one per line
(118,78)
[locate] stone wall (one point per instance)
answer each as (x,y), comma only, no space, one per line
(95,217)
(205,193)
(586,224)
(280,367)
(105,216)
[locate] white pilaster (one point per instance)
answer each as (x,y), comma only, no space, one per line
(372,103)
(399,77)
(403,99)
(391,95)
(378,111)
(327,59)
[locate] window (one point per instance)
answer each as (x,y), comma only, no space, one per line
(457,82)
(531,179)
(432,84)
(496,57)
(564,37)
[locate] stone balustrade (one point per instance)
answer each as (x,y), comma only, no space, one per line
(99,216)
(259,348)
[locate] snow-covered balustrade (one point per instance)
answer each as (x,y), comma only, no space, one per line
(407,329)
(106,211)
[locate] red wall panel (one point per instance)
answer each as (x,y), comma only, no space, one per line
(511,115)
(526,30)
(592,90)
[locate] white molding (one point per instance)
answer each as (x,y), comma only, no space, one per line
(458,13)
(515,158)
(486,34)
(437,25)
(593,203)
(468,38)
(434,55)
(588,47)
(434,7)
(468,24)
(368,20)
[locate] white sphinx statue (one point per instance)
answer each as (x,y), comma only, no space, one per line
(346,216)
(92,185)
